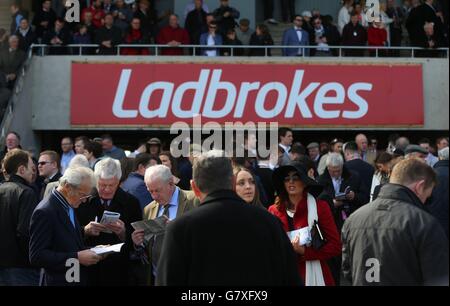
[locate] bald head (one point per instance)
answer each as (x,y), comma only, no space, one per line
(361,142)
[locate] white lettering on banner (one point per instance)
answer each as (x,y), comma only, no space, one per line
(214,86)
(161,111)
(322,98)
(118,110)
(261,99)
(199,88)
(331,93)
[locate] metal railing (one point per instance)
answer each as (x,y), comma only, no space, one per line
(304,51)
(6,121)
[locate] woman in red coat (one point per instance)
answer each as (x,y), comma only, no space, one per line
(135,36)
(297,207)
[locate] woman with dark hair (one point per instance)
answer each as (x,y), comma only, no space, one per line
(93,152)
(384,164)
(261,37)
(246,186)
(308,221)
(136,36)
(168,160)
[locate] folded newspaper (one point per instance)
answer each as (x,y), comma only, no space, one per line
(108,218)
(151,227)
(107,249)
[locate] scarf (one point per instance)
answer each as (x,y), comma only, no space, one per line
(314,275)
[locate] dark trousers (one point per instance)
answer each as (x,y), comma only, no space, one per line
(19,277)
(288,10)
(268,9)
(396,41)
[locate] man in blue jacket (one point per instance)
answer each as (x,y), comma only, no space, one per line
(296,36)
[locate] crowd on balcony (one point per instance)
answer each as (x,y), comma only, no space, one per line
(109,23)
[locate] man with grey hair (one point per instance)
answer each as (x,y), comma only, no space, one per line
(56,235)
(169,201)
(225,241)
(363,149)
(114,270)
(343,186)
(438,204)
(11,59)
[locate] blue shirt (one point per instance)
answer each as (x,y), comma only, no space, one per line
(135,186)
(69,209)
(65,160)
(173,205)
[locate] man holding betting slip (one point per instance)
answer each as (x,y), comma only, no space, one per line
(116,210)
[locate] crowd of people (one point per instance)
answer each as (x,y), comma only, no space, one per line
(105,24)
(341,203)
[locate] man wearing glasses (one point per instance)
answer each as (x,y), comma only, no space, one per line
(48,167)
(296,36)
(56,235)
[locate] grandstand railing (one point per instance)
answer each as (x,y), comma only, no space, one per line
(6,121)
(339,51)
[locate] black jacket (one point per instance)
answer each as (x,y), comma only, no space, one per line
(64,35)
(227,242)
(17,202)
(26,41)
(408,243)
(438,204)
(113,34)
(225,23)
(350,179)
(417,19)
(53,241)
(263,40)
(365,171)
(195,25)
(42,16)
(114,270)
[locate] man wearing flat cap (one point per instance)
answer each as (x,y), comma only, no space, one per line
(416,151)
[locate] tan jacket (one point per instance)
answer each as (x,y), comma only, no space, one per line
(186,202)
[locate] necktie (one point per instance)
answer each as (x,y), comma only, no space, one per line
(72,216)
(105,204)
(166,210)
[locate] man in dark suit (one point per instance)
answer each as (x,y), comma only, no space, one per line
(48,167)
(336,180)
(57,37)
(296,36)
(44,19)
(17,202)
(56,236)
(418,17)
(354,163)
(11,60)
(169,200)
(115,269)
(225,241)
(26,35)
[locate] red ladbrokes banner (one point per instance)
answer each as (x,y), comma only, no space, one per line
(299,95)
